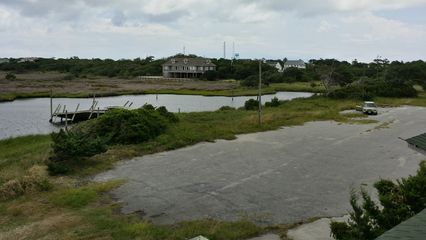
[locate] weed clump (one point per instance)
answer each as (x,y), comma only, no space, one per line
(35,180)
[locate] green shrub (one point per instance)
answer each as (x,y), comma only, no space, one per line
(171,117)
(398,202)
(130,126)
(226,108)
(117,126)
(10,76)
(371,89)
(273,103)
(69,148)
(251,104)
(250,81)
(350,92)
(210,75)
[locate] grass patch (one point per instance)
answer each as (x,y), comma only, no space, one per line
(17,155)
(395,102)
(74,197)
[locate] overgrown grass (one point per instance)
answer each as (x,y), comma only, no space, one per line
(19,154)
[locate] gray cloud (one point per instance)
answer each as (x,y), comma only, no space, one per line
(270,28)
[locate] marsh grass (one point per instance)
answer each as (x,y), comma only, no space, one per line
(17,155)
(103,90)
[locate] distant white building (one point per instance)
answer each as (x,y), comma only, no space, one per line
(294,64)
(27,59)
(276,65)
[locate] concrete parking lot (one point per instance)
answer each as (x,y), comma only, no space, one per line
(279,176)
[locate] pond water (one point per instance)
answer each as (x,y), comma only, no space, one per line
(31,116)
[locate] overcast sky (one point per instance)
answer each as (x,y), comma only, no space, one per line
(342,29)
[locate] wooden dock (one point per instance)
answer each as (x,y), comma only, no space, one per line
(62,115)
(78,116)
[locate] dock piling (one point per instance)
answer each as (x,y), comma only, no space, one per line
(76,109)
(66,120)
(51,106)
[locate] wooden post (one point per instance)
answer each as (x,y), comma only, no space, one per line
(56,111)
(97,114)
(76,109)
(51,106)
(92,109)
(66,120)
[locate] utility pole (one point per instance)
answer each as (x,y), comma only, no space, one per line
(259,110)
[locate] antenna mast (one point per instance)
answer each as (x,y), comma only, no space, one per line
(224,50)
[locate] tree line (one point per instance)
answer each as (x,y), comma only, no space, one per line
(331,72)
(80,68)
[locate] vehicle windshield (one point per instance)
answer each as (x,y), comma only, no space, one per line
(369,105)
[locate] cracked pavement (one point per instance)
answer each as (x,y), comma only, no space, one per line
(281,176)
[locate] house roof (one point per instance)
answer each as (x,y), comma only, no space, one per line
(413,229)
(418,141)
(294,62)
(180,61)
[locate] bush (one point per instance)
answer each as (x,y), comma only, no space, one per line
(398,202)
(117,126)
(120,126)
(226,108)
(69,148)
(273,103)
(210,75)
(251,104)
(350,92)
(10,76)
(371,89)
(251,81)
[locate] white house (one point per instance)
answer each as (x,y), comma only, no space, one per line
(276,65)
(294,64)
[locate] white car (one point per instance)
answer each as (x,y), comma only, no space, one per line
(369,108)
